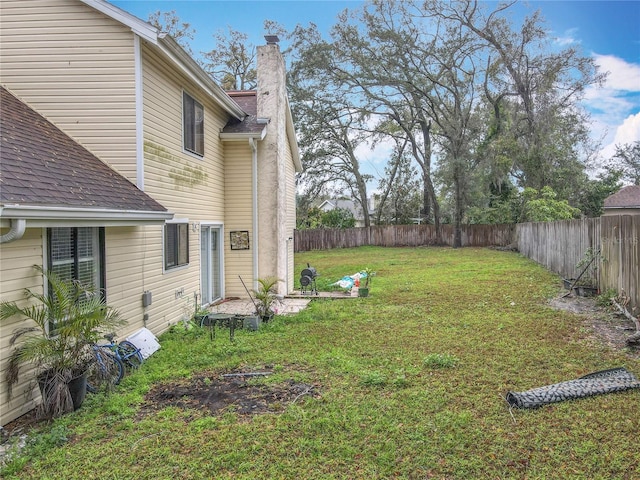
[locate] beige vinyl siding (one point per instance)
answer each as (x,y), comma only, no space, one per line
(238,193)
(290,182)
(75,66)
(129,261)
(134,265)
(192,187)
(183,182)
(17,260)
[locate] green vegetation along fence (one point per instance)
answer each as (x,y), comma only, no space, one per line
(400,236)
(564,247)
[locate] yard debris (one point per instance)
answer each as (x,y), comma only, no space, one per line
(605,381)
(621,302)
(348,281)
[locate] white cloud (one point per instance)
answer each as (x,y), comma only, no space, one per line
(568,38)
(627,132)
(622,76)
(615,107)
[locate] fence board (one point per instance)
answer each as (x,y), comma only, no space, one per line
(621,256)
(561,246)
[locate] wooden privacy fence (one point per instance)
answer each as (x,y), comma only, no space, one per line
(620,256)
(400,236)
(559,246)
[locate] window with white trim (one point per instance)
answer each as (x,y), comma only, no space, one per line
(77,253)
(176,245)
(192,125)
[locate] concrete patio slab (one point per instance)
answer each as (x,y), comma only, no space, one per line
(292,303)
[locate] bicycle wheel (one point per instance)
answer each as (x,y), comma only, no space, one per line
(130,354)
(105,371)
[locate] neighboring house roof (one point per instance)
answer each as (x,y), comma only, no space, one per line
(46,174)
(626,197)
(344,204)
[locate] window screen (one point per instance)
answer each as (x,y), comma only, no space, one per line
(193,125)
(176,245)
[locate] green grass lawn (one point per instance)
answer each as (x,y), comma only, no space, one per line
(410,384)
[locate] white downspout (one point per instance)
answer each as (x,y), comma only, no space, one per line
(254,182)
(18,226)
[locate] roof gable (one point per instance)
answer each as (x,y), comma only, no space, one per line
(42,166)
(171,50)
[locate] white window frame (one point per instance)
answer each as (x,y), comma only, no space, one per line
(190,132)
(178,266)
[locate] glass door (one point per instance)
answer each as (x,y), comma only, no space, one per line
(210,264)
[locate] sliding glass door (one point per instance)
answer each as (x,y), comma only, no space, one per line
(210,263)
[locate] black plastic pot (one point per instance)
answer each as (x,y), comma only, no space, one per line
(78,390)
(77,387)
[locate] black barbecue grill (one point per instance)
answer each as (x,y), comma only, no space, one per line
(308,280)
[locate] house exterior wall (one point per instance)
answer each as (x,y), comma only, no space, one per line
(16,274)
(133,259)
(192,187)
(290,182)
(76,67)
(238,216)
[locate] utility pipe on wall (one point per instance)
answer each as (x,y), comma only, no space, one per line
(254,182)
(18,226)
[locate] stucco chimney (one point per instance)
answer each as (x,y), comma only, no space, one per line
(272,188)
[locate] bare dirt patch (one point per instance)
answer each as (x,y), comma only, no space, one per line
(216,393)
(607,326)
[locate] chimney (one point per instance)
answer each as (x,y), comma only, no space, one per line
(273,208)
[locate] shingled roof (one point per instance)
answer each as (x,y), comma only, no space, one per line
(626,197)
(251,126)
(42,166)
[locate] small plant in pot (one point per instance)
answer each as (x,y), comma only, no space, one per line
(62,326)
(266,297)
(365,282)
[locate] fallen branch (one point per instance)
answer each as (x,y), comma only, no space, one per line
(622,308)
(306,392)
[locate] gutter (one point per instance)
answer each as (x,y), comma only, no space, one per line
(242,136)
(44,216)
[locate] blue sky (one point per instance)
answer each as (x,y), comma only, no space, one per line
(607,30)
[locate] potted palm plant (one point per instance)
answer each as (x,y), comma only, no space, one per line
(266,297)
(62,326)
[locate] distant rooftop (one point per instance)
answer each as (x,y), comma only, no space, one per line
(626,197)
